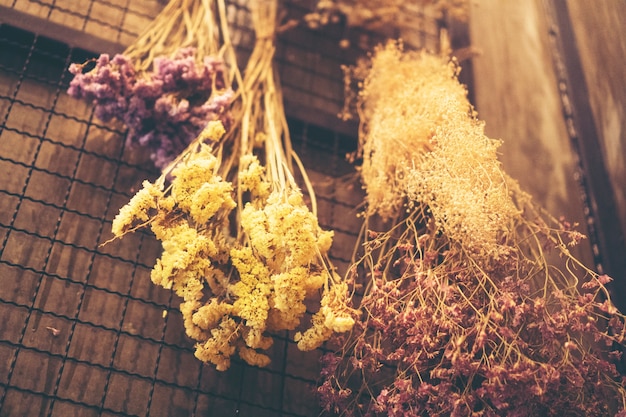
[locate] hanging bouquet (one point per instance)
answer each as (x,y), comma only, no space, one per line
(167,85)
(472,303)
(240,246)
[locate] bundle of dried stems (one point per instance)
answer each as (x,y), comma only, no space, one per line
(241,247)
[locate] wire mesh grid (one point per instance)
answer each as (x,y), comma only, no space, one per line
(84,332)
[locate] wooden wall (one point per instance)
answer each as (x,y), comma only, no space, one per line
(521,97)
(601,42)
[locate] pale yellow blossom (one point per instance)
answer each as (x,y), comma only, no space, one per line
(334,315)
(209,315)
(252,357)
(187,309)
(285,232)
(252,290)
(212,133)
(189,175)
(219,348)
(288,297)
(255,339)
(137,210)
(314,281)
(237,287)
(317,334)
(251,178)
(209,198)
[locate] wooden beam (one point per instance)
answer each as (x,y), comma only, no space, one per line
(600,207)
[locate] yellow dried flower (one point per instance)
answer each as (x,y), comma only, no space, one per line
(216,279)
(284,231)
(166,203)
(190,175)
(209,315)
(333,316)
(187,310)
(313,282)
(209,198)
(176,265)
(317,334)
(137,210)
(255,223)
(212,133)
(325,241)
(252,290)
(255,339)
(252,357)
(334,307)
(251,178)
(219,347)
(237,288)
(289,295)
(198,190)
(252,304)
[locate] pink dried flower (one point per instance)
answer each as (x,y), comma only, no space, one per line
(608,307)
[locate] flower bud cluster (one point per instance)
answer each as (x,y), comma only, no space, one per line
(238,290)
(165,108)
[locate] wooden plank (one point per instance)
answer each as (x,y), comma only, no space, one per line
(60,32)
(601,47)
(516,93)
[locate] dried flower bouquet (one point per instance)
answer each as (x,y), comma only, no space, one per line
(464,312)
(240,246)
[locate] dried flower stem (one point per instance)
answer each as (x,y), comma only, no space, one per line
(181,24)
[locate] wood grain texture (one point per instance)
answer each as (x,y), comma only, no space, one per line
(601,45)
(516,94)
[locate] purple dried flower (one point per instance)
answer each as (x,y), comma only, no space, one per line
(164,109)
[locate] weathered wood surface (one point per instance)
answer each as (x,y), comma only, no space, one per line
(116,21)
(601,42)
(516,93)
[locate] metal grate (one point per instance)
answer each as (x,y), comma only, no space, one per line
(83,331)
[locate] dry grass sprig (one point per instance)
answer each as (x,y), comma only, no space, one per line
(181,24)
